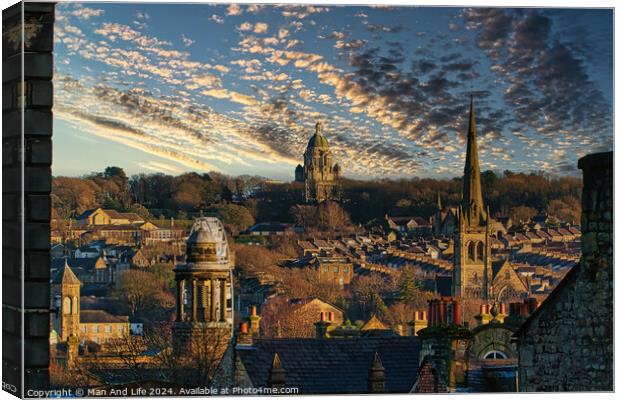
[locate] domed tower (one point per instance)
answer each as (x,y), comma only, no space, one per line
(320,173)
(204,290)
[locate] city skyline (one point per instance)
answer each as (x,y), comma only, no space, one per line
(391,86)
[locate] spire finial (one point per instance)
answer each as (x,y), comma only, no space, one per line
(439,205)
(318,128)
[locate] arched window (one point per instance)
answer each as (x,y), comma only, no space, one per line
(471,250)
(480,251)
(66,305)
(495,355)
(75,306)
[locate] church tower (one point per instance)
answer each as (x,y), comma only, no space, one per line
(320,174)
(204,319)
(472,243)
(66,297)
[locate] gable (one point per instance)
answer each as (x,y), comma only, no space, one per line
(505,276)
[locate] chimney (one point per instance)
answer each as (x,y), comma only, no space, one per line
(254,320)
(442,312)
(457,312)
(244,338)
(321,326)
(277,374)
(532,305)
(376,376)
(419,322)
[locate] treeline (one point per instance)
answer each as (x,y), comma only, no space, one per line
(255,199)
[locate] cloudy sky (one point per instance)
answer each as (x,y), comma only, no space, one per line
(238,88)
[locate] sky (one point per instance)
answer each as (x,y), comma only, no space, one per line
(237,89)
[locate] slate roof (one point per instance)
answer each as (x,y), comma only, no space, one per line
(76,264)
(334,366)
(65,275)
(100,316)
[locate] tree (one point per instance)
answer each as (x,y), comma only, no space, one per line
(522,213)
(143,296)
(235,216)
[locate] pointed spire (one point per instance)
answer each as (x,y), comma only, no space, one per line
(376,375)
(277,374)
(439,205)
(472,204)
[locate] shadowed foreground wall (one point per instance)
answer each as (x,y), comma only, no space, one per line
(567,344)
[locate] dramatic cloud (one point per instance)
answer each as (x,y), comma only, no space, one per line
(393,95)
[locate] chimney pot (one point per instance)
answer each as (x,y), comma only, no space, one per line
(416,316)
(244,327)
(331,316)
(423,317)
(253,311)
(322,316)
(483,309)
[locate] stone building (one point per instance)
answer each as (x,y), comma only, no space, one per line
(66,300)
(204,292)
(567,344)
(472,254)
(319,174)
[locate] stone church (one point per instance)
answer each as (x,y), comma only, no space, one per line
(319,174)
(476,276)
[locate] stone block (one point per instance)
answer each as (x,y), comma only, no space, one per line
(38,295)
(38,179)
(38,265)
(36,236)
(37,324)
(36,352)
(38,207)
(10,207)
(38,151)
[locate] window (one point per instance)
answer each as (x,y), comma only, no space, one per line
(471,250)
(507,274)
(108,329)
(95,329)
(495,355)
(336,269)
(346,269)
(83,329)
(326,269)
(66,305)
(480,251)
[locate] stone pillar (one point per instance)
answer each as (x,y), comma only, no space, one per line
(179,300)
(457,311)
(194,299)
(222,300)
(213,300)
(27,71)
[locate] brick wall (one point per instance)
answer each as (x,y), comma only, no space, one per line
(567,344)
(25,248)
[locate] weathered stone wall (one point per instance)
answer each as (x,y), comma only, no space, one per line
(567,344)
(27,99)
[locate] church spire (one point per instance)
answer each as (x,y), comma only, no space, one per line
(439,205)
(473,207)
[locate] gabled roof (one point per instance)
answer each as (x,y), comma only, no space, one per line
(334,365)
(374,323)
(66,276)
(99,316)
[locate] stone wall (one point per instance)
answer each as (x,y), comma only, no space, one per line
(27,98)
(567,344)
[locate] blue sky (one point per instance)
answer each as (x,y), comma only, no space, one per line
(238,88)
